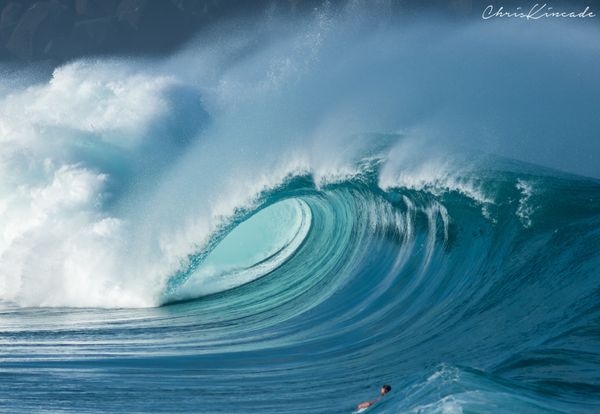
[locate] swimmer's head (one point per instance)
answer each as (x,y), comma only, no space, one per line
(385,389)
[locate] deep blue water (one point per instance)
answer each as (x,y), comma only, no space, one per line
(286,215)
(458,311)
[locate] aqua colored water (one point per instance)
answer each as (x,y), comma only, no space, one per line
(284,218)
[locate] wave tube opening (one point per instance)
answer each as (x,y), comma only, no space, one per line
(252,249)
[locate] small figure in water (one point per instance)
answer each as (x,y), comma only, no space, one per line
(384,390)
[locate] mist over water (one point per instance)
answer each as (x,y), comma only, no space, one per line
(113,172)
(346,197)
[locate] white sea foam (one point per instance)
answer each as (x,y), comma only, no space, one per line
(525,209)
(113,172)
(410,167)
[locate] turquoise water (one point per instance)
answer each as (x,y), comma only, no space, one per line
(287,214)
(457,310)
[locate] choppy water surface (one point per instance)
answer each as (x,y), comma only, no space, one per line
(282,220)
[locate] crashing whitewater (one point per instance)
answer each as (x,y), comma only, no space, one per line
(337,198)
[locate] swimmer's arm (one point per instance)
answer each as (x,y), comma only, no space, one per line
(367,404)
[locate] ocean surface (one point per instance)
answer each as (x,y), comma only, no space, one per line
(284,217)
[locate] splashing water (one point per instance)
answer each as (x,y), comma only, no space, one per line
(279,216)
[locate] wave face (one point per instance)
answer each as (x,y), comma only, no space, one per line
(278,220)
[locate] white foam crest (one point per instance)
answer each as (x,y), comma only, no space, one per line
(411,167)
(434,176)
(57,249)
(525,209)
(99,99)
(108,182)
(58,245)
(109,230)
(446,405)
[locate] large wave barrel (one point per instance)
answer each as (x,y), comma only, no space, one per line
(255,247)
(288,214)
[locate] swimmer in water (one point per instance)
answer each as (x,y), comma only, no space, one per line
(384,390)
